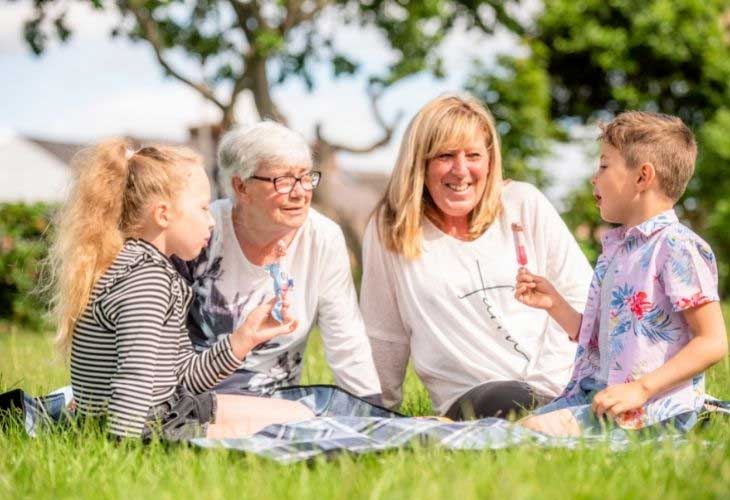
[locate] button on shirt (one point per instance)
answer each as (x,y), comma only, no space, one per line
(659,269)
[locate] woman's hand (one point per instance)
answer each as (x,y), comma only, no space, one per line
(260,327)
(620,398)
(535,291)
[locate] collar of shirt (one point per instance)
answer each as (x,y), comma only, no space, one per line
(622,234)
(145,247)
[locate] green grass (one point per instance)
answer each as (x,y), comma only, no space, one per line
(82,463)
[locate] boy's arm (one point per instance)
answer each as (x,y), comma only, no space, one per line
(707,346)
(567,317)
(536,291)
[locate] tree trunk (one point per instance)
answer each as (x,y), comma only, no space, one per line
(256,72)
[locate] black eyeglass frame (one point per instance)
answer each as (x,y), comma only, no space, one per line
(316,176)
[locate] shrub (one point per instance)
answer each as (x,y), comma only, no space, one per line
(23,246)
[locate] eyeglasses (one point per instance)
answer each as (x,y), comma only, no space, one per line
(285,183)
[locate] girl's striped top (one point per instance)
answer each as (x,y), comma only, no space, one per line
(131,349)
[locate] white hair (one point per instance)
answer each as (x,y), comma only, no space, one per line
(242,150)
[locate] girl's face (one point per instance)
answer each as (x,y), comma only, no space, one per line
(189,229)
(456,178)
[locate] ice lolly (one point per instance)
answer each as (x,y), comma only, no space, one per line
(282,281)
(518,233)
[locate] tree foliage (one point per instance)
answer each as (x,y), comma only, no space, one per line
(673,56)
(258,44)
(517,92)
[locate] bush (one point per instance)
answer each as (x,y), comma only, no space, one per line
(23,246)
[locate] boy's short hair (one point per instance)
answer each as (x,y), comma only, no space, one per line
(662,140)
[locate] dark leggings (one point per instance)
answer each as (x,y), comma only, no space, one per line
(494,399)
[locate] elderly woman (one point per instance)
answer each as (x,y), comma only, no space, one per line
(440,266)
(267,218)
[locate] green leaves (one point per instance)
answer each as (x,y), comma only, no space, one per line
(517,92)
(673,56)
(22,248)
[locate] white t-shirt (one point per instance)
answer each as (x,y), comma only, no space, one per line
(228,286)
(454,307)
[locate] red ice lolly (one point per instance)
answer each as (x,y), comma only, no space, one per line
(518,233)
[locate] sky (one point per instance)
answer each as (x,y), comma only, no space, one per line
(94,86)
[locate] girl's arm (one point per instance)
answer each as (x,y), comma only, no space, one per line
(707,346)
(201,372)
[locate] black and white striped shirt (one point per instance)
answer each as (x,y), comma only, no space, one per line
(131,349)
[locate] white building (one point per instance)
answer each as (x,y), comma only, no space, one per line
(29,172)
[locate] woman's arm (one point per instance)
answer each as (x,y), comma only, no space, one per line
(389,338)
(347,349)
(391,361)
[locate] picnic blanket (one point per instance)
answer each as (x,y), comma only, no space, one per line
(346,423)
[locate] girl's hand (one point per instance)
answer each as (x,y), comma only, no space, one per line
(260,327)
(617,399)
(535,291)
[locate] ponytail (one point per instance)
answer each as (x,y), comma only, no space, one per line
(87,232)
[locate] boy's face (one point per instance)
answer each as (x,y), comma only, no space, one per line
(615,188)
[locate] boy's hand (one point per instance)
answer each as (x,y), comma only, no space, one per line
(535,291)
(620,398)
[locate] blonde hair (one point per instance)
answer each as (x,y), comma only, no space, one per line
(662,140)
(113,186)
(447,121)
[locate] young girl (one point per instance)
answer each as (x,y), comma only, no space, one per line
(653,322)
(121,305)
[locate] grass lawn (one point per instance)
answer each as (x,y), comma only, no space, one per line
(78,465)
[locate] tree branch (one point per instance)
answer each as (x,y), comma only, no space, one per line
(296,16)
(387,130)
(243,13)
(150,33)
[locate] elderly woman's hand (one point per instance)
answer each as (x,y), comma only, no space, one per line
(260,327)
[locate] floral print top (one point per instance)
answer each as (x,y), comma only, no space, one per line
(663,269)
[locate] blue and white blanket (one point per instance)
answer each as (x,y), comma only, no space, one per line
(345,423)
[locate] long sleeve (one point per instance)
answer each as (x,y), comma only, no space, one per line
(391,361)
(200,372)
(379,305)
(346,345)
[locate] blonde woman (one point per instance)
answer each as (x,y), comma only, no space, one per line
(439,267)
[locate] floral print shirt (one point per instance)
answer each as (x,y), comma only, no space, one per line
(663,269)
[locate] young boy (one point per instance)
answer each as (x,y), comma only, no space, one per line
(652,323)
